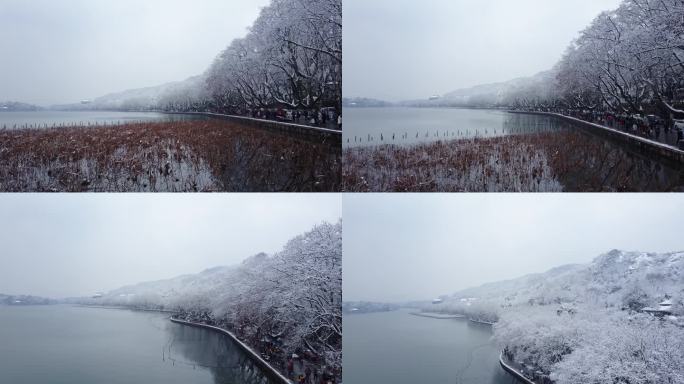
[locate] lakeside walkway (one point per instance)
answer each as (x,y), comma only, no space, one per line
(328,135)
(663,150)
(271,372)
(514,370)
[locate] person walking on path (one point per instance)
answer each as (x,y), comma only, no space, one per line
(290,367)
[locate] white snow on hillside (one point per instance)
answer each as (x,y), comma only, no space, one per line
(494,94)
(591,323)
(147,98)
(606,280)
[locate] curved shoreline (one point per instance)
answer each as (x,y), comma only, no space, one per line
(123,307)
(273,373)
(513,372)
(432,315)
(481,322)
(327,134)
(665,151)
(437,316)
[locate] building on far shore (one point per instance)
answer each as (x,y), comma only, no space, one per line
(664,308)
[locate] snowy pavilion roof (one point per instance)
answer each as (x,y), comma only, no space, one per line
(667,303)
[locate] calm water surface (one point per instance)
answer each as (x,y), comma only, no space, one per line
(397,348)
(406,126)
(10,120)
(65,344)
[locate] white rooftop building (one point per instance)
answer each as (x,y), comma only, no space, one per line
(664,308)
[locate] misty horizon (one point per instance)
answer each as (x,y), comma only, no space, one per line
(60,246)
(532,273)
(455,45)
(396,251)
(56,54)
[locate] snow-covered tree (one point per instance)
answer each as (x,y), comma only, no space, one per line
(292,58)
(630,60)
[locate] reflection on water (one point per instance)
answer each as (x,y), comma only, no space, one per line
(407,126)
(396,347)
(61,344)
(584,161)
(198,347)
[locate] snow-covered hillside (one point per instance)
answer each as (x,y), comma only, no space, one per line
(591,323)
(501,94)
(165,292)
(149,98)
(611,280)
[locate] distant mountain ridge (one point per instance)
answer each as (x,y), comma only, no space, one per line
(15,106)
(364,102)
(489,95)
(147,98)
(610,279)
(24,300)
(165,292)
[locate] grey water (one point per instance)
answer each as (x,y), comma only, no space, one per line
(397,347)
(65,344)
(408,126)
(43,119)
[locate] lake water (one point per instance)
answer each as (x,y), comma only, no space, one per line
(66,345)
(397,347)
(10,120)
(406,126)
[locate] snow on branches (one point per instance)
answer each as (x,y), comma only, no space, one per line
(629,60)
(292,57)
(290,302)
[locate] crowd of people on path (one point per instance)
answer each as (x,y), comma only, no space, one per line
(323,117)
(668,131)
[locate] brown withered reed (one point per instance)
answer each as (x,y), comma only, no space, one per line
(210,155)
(543,162)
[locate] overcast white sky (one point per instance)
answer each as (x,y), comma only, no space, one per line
(69,50)
(407,49)
(68,245)
(417,246)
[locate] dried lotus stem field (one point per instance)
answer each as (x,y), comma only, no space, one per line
(181,156)
(570,161)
